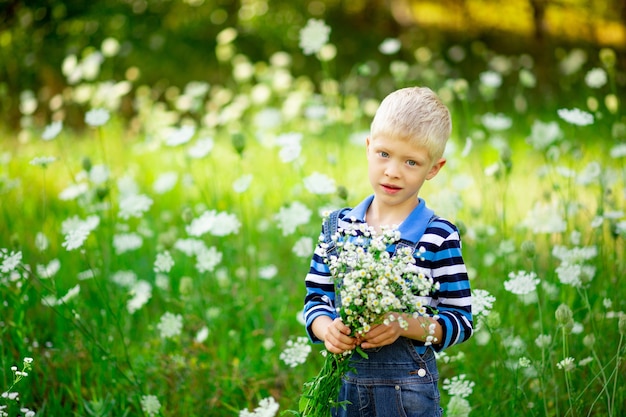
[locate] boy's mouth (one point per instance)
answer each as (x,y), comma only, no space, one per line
(390,188)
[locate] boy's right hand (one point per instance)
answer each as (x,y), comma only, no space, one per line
(337,337)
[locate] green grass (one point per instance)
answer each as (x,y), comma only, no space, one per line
(93,357)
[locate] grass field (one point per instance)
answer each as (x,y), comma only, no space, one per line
(156,266)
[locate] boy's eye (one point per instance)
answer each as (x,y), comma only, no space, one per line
(383,154)
(411,163)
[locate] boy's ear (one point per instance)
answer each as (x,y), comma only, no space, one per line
(434,170)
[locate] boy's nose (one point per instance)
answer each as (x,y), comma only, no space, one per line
(391,170)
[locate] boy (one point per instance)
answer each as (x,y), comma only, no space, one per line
(405,147)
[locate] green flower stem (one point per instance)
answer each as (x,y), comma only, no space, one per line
(568,382)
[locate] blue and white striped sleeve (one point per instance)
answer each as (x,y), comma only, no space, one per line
(320,291)
(453,300)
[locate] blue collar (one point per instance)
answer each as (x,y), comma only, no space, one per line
(411,229)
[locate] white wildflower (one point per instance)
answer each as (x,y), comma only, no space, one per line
(164,262)
(318,183)
(170,325)
(576,116)
(134,206)
(289,218)
(150,405)
(97,117)
(268,407)
(296,352)
(52,130)
(521,282)
(314,36)
(596,78)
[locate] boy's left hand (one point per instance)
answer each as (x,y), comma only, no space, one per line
(381,335)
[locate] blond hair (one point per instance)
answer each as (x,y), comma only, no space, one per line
(415,114)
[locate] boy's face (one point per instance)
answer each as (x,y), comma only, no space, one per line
(397,170)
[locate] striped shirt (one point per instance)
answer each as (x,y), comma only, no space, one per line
(439,255)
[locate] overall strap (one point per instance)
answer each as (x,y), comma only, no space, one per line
(330,228)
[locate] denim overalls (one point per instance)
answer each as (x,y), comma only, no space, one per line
(395,380)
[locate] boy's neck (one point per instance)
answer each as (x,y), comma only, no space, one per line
(377,216)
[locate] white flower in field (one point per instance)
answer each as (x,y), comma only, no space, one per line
(180,136)
(75,239)
(567,364)
(207,259)
(268,407)
(71,293)
(596,78)
(490,79)
(218,224)
(52,130)
(126,279)
(303,247)
(268,272)
(170,325)
(496,122)
(545,218)
(296,352)
(41,241)
(268,118)
(242,183)
(50,270)
(125,242)
(190,246)
(150,405)
(202,335)
(482,302)
(141,292)
(618,151)
(314,36)
(521,282)
(458,407)
(77,230)
(543,135)
(459,386)
(390,46)
(318,183)
(110,47)
(43,161)
(575,274)
(74,191)
(97,117)
(543,341)
(10,261)
(576,116)
(290,152)
(289,218)
(99,174)
(165,182)
(576,254)
(134,205)
(164,262)
(27,412)
(201,148)
(590,174)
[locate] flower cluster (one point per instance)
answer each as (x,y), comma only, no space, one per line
(372,283)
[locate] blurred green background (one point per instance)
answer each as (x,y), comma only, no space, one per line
(166,43)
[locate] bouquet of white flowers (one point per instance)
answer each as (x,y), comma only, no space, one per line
(372,285)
